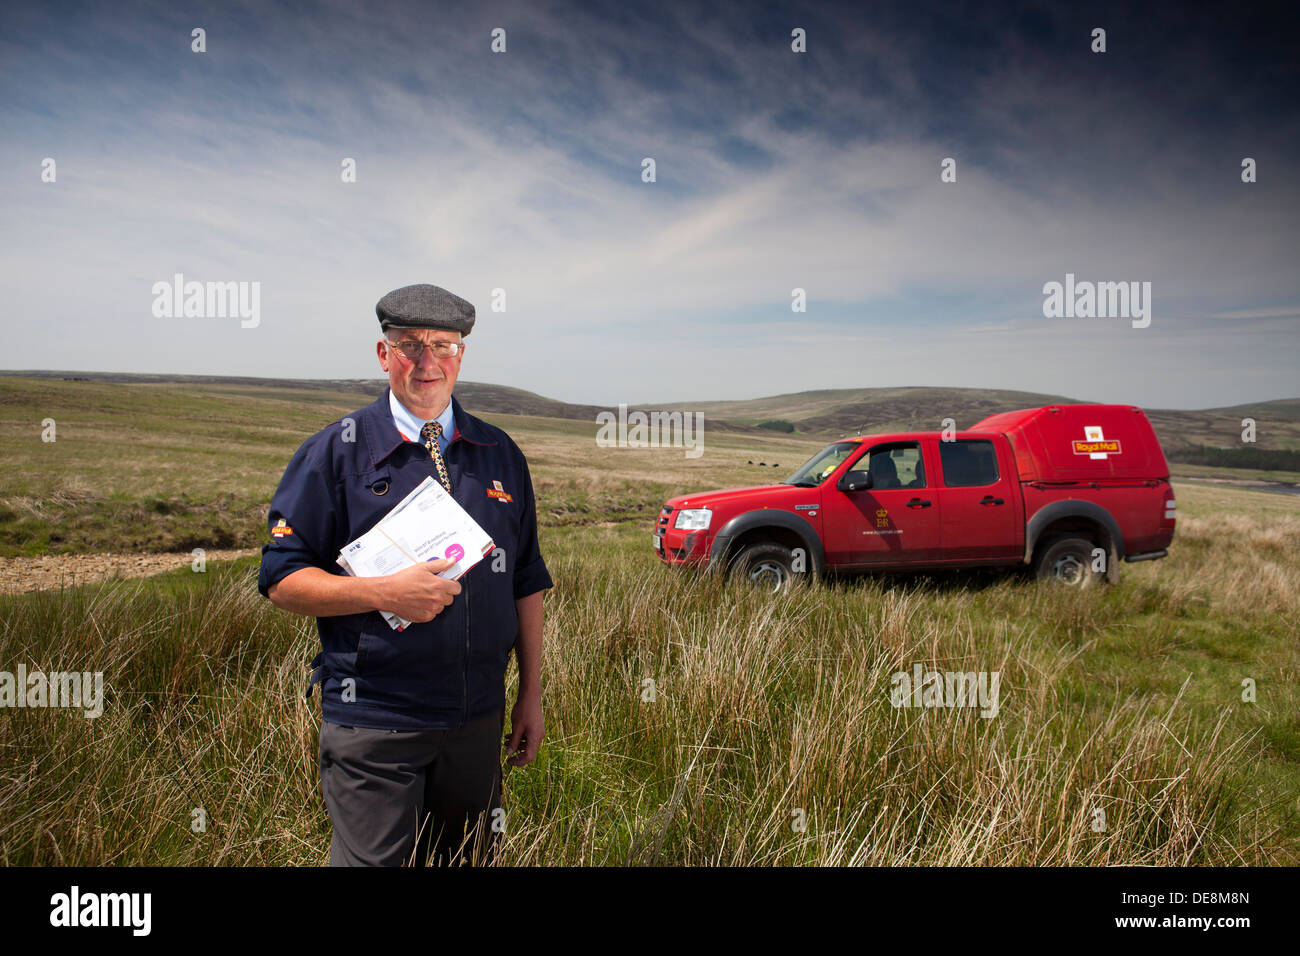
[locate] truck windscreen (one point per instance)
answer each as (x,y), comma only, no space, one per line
(820,466)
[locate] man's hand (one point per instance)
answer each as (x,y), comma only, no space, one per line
(417,593)
(526,730)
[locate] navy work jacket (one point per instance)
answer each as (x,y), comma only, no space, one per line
(442,673)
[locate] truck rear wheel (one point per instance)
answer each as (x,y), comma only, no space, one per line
(1067,561)
(768,566)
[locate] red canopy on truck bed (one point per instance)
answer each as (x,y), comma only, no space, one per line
(1081,442)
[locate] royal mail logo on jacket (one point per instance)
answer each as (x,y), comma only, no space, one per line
(281,529)
(499,493)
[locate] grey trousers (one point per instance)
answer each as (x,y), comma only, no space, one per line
(394,796)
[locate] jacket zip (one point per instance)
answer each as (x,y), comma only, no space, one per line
(465,671)
(464,674)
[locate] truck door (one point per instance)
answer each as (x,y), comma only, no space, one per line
(895,521)
(981,518)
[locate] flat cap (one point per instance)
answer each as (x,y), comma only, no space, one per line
(425,307)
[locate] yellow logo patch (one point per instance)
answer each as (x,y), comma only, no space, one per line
(281,529)
(1095,445)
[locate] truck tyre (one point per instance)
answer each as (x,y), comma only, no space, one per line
(768,566)
(1068,561)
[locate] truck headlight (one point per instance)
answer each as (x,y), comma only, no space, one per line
(693,519)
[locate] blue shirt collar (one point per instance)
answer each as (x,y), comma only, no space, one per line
(379,429)
(410,425)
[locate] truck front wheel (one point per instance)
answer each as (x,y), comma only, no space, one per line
(1067,561)
(768,566)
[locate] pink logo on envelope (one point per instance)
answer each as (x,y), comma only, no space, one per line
(455,552)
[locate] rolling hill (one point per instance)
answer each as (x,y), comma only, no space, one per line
(826,413)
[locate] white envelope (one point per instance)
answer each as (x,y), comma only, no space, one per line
(426,525)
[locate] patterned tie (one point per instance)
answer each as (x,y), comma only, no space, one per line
(431,432)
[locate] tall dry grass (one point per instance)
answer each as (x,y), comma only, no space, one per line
(769,739)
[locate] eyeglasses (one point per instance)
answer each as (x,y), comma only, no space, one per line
(413,349)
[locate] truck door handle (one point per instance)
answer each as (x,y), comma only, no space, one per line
(990,500)
(918,503)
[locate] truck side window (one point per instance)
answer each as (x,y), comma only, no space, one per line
(968,462)
(895,466)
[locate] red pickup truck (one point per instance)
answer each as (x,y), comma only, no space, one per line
(1068,490)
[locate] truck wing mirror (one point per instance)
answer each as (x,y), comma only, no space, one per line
(855,481)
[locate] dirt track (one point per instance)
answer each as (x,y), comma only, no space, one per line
(52,572)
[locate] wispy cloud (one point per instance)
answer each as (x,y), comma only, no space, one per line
(775,171)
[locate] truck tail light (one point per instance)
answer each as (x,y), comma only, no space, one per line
(1171,509)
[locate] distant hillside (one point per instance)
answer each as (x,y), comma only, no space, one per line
(500,399)
(370,387)
(1281,407)
(477,397)
(832,412)
(847,411)
(826,413)
(1277,426)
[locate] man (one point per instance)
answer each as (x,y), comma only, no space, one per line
(412,720)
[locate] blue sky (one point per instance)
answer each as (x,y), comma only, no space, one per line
(775,170)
